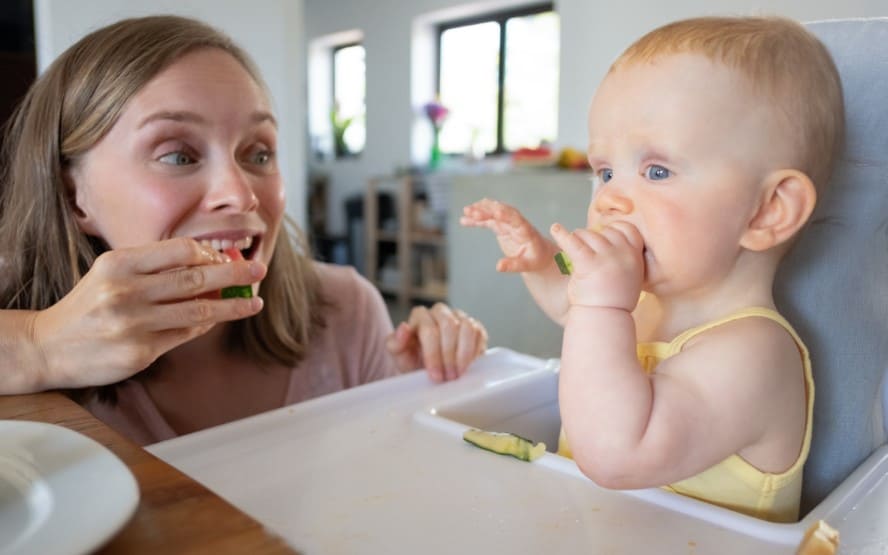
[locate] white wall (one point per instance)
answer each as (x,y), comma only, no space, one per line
(271,31)
(592,34)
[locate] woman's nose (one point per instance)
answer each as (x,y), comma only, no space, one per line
(232,189)
(610,200)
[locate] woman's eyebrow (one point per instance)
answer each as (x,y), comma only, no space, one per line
(258,116)
(178,116)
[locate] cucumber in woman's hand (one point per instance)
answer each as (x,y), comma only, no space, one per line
(504,443)
(243,291)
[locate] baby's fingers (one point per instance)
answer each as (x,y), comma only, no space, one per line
(624,231)
(569,242)
(515,264)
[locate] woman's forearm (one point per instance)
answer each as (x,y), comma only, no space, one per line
(21,360)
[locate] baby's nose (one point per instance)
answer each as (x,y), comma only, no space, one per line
(611,201)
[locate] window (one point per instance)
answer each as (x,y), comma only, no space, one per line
(349,106)
(498,76)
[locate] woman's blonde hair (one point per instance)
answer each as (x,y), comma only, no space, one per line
(79,98)
(782,60)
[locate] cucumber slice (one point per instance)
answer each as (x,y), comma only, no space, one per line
(243,291)
(504,443)
(565,266)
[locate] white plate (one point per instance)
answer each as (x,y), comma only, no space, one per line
(60,491)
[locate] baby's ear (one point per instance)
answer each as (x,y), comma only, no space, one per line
(787,200)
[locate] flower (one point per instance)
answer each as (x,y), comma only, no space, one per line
(436,112)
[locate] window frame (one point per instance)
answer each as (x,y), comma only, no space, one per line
(500,17)
(348,154)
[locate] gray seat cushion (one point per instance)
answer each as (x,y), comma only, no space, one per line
(833,285)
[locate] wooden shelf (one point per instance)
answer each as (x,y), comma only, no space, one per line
(420,251)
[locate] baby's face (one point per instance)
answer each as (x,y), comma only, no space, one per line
(192,154)
(679,148)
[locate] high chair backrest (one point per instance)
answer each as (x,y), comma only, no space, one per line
(833,285)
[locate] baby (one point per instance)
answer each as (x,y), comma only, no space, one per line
(708,141)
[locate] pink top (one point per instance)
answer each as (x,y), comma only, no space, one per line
(349,351)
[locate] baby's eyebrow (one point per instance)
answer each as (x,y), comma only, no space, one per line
(261,116)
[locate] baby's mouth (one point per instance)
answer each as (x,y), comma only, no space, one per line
(247,246)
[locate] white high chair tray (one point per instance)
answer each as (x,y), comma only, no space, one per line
(382,469)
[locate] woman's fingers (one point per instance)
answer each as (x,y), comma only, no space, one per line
(429,341)
(158,257)
(472,341)
(447,340)
(197,313)
(184,283)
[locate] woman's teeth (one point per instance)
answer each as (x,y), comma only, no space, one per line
(222,244)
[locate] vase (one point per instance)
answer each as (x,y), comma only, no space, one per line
(435,154)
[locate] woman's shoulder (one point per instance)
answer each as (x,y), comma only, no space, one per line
(357,314)
(340,282)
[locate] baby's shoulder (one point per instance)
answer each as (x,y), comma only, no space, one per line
(758,342)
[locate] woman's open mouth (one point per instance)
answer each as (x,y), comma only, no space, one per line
(247,246)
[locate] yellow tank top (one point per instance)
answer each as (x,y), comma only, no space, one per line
(734,483)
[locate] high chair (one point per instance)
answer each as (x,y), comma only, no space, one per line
(833,285)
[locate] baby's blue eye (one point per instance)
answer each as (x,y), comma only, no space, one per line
(656,173)
(606,174)
(177,158)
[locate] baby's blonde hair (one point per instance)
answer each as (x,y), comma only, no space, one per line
(783,62)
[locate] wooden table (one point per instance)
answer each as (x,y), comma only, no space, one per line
(175,513)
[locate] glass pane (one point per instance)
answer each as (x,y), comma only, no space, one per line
(530,111)
(468,86)
(349,90)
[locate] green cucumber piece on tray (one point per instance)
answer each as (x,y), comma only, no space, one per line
(504,443)
(565,266)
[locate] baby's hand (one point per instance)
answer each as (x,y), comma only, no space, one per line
(608,266)
(525,248)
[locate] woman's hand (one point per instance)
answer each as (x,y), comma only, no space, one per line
(442,340)
(135,304)
(525,248)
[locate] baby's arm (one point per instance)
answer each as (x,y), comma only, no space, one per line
(629,430)
(526,251)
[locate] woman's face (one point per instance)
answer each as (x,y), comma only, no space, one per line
(193,154)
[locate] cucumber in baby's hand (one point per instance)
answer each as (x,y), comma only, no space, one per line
(243,291)
(565,266)
(504,443)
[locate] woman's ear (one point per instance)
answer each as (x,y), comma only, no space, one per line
(76,194)
(787,200)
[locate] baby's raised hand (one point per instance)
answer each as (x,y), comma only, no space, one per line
(608,265)
(525,247)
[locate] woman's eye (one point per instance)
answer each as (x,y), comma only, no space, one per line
(177,158)
(656,173)
(263,157)
(605,174)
